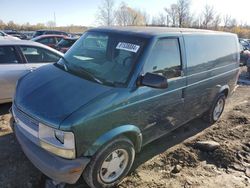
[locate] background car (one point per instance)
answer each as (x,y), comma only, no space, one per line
(244,55)
(17,58)
(3,35)
(29,34)
(49,40)
(65,44)
(16,34)
(49,32)
(244,43)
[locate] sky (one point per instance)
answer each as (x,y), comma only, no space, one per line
(83,12)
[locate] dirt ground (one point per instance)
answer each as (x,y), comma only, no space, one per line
(173,161)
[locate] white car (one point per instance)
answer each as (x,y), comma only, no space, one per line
(3,35)
(17,58)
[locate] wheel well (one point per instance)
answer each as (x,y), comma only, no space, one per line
(225,91)
(134,138)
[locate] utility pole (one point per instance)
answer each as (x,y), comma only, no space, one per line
(55,18)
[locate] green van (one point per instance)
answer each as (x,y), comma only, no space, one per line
(114,91)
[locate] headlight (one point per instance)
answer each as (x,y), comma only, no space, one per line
(56,141)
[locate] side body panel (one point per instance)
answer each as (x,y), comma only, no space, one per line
(9,74)
(212,64)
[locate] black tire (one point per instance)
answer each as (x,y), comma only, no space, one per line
(209,115)
(92,173)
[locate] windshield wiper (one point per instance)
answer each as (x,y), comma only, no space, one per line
(88,74)
(113,83)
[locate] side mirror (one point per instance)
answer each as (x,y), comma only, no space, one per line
(153,80)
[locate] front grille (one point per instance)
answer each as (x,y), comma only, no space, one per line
(27,120)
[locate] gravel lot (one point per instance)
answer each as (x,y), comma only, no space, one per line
(173,161)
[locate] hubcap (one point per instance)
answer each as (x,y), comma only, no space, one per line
(218,109)
(114,165)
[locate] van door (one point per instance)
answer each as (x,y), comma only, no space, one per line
(162,110)
(11,69)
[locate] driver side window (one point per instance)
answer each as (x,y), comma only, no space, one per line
(165,59)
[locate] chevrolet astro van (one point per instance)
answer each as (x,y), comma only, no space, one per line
(115,90)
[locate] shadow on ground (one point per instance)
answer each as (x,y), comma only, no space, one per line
(4,108)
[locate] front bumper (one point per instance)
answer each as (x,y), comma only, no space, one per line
(56,168)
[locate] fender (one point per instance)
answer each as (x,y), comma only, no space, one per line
(108,136)
(224,87)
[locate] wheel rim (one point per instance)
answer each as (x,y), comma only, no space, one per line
(218,109)
(114,165)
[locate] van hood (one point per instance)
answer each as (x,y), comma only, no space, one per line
(50,94)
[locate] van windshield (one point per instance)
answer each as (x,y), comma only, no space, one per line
(106,58)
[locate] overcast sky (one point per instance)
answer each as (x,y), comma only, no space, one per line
(83,12)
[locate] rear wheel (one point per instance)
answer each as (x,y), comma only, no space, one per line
(214,113)
(110,164)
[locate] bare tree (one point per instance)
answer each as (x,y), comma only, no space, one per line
(106,13)
(2,24)
(146,17)
(172,14)
(160,20)
(208,16)
(217,21)
(126,15)
(183,7)
(233,23)
(12,25)
(226,20)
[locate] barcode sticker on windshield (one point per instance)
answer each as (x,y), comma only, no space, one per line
(128,47)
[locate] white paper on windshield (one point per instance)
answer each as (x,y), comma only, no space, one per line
(127,46)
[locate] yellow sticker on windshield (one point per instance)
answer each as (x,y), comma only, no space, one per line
(127,46)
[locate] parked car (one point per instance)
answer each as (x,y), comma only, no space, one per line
(17,58)
(3,35)
(16,34)
(244,55)
(116,90)
(49,32)
(49,40)
(244,43)
(65,44)
(29,34)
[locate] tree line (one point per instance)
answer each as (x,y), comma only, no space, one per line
(176,15)
(11,25)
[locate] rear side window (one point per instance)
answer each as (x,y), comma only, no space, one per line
(48,40)
(165,59)
(210,51)
(66,43)
(8,55)
(58,39)
(39,55)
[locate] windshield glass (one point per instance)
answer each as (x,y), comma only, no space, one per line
(106,57)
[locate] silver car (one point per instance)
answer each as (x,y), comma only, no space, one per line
(17,58)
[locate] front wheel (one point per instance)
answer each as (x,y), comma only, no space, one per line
(110,164)
(216,109)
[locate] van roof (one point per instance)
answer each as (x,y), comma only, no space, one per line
(153,31)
